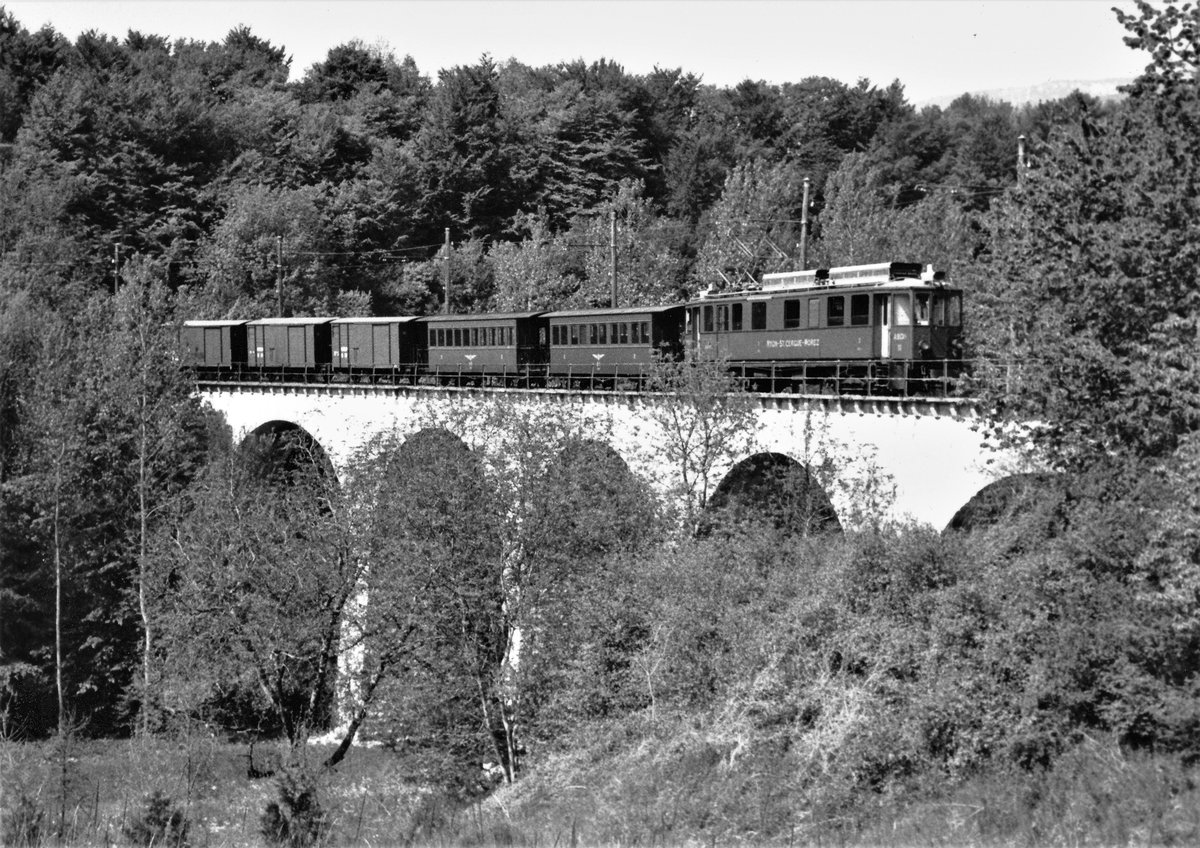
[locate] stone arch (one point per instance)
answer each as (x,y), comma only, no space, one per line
(1004,499)
(776,488)
(283,447)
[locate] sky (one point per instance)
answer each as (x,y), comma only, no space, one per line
(935,48)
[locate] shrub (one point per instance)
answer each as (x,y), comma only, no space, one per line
(296,820)
(161,823)
(23,825)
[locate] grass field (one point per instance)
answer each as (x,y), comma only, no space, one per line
(663,790)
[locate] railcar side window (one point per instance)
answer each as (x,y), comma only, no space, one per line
(624,333)
(554,334)
(612,334)
(735,318)
(902,317)
(432,337)
(922,311)
(541,335)
(575,334)
(791,314)
(645,332)
(860,309)
(758,315)
(708,319)
(836,311)
(603,334)
(954,319)
(814,312)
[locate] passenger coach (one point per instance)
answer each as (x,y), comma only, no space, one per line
(614,344)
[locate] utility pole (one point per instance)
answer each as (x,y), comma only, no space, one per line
(612,255)
(446,272)
(804,229)
(279,275)
(116,265)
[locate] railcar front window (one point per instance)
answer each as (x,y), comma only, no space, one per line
(860,309)
(939,311)
(902,315)
(758,316)
(954,319)
(791,314)
(922,310)
(836,311)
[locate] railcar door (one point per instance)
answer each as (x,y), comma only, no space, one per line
(883,309)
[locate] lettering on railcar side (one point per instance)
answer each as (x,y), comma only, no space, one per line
(778,343)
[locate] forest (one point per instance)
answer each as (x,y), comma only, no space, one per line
(173,604)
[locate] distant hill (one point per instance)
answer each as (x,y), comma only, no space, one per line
(1019,96)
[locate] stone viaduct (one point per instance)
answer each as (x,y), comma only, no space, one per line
(929,457)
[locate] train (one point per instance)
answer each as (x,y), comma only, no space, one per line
(887,328)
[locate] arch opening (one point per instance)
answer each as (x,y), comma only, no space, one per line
(285,453)
(1009,501)
(774,489)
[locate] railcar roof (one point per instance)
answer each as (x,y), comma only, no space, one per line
(289,322)
(624,310)
(216,322)
(488,316)
(833,288)
(379,319)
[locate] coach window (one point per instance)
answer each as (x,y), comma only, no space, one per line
(624,333)
(591,333)
(860,309)
(542,336)
(603,334)
(814,312)
(791,314)
(708,319)
(612,333)
(922,310)
(758,315)
(954,317)
(835,311)
(645,332)
(735,318)
(432,337)
(574,334)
